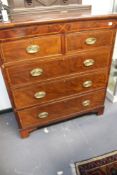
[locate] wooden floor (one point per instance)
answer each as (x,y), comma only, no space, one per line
(55,148)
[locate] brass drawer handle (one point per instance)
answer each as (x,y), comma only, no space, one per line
(86,103)
(40,94)
(90,41)
(87,84)
(33,49)
(36,72)
(89,62)
(43,115)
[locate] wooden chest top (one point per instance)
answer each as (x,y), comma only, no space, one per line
(35,18)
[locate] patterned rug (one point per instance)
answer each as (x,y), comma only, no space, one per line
(102,165)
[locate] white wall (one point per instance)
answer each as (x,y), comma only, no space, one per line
(4,100)
(97,6)
(100,6)
(4,1)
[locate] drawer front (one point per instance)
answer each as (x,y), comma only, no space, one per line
(90,25)
(88,40)
(40,116)
(32,30)
(31,48)
(39,94)
(36,71)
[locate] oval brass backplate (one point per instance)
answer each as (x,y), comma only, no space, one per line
(87,84)
(40,94)
(33,49)
(86,103)
(90,41)
(36,72)
(43,115)
(89,62)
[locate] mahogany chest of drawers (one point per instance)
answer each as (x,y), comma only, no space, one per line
(56,67)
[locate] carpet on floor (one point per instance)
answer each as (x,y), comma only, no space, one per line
(102,165)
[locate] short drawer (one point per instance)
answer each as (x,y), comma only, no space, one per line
(25,49)
(46,92)
(88,40)
(36,71)
(39,116)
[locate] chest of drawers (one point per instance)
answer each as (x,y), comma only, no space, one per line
(56,69)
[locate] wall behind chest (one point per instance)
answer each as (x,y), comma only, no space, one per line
(100,6)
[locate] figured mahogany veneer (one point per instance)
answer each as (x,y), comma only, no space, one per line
(56,66)
(25,97)
(77,41)
(60,110)
(17,50)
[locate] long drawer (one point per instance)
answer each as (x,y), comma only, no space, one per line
(88,40)
(25,49)
(37,71)
(39,116)
(46,92)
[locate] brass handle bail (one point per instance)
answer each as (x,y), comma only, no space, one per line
(40,94)
(89,62)
(90,41)
(43,115)
(87,84)
(86,103)
(36,72)
(33,49)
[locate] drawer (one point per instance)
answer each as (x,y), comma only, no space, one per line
(90,25)
(39,116)
(28,31)
(46,92)
(36,71)
(88,40)
(25,49)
